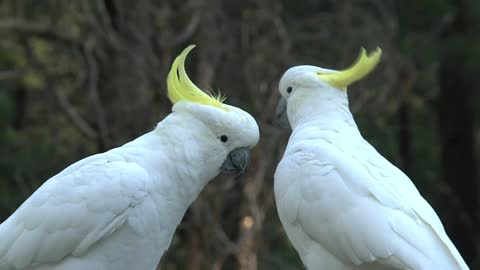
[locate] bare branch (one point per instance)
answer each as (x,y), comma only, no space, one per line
(189,30)
(74,116)
(38,30)
(91,84)
(70,111)
(11,74)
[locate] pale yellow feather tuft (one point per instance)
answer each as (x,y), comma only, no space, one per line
(180,87)
(364,64)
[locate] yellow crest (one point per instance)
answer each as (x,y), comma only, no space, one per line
(361,68)
(180,87)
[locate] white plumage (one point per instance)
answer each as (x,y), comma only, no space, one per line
(342,205)
(118,210)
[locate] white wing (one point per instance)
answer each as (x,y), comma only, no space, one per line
(71,211)
(361,208)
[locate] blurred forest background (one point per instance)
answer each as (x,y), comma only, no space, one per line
(81,77)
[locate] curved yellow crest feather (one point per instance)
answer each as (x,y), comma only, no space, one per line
(361,68)
(180,87)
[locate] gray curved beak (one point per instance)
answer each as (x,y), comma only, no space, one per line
(281,119)
(237,161)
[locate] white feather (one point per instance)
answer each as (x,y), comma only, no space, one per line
(118,210)
(343,205)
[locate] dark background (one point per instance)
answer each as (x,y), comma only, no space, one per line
(81,77)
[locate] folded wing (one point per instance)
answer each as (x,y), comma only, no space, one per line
(71,211)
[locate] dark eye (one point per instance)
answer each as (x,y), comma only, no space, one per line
(224,138)
(289,90)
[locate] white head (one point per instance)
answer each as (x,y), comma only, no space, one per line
(301,84)
(228,132)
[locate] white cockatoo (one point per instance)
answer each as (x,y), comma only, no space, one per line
(343,205)
(119,209)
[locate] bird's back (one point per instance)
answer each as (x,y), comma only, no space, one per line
(322,182)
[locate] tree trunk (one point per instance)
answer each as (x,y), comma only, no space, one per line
(456,128)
